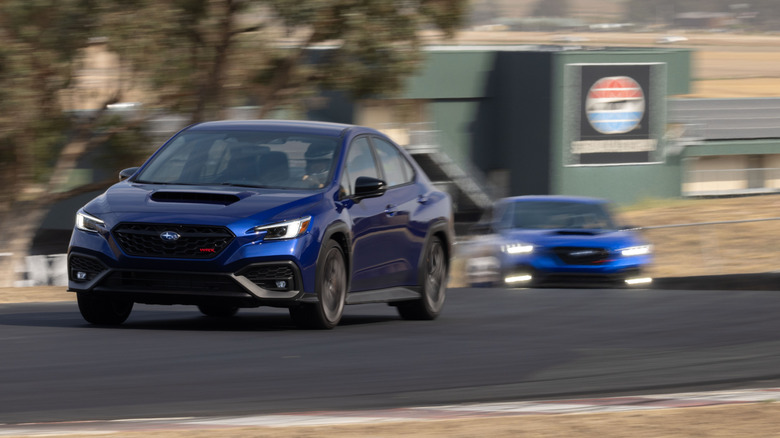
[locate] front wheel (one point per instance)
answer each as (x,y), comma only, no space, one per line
(434,285)
(331,288)
(103,310)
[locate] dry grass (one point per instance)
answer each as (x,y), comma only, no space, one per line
(723,65)
(748,420)
(734,248)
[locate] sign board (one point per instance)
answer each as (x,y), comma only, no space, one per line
(610,115)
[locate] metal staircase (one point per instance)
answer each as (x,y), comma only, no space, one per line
(469,189)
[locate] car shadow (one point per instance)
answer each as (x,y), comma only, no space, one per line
(183,319)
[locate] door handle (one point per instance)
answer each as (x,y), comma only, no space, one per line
(423,199)
(390,210)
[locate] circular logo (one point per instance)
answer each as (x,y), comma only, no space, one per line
(169,236)
(615,105)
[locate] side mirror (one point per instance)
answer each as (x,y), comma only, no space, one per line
(127,173)
(367,187)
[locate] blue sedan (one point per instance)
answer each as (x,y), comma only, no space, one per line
(303,215)
(557,240)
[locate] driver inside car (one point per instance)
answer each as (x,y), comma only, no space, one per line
(319,157)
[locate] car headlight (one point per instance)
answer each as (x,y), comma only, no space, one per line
(284,230)
(636,250)
(88,223)
(517,248)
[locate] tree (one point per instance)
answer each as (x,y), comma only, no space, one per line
(204,55)
(193,57)
(39,143)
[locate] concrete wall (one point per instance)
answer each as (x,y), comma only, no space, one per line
(731,174)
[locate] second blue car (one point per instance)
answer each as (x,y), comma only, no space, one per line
(533,241)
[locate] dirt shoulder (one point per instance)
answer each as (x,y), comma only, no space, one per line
(744,420)
(38,294)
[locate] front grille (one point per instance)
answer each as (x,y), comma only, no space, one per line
(190,283)
(581,256)
(84,268)
(193,242)
(272,276)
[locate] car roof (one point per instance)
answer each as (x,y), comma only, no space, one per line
(298,126)
(555,198)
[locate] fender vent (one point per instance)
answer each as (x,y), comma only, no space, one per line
(195,197)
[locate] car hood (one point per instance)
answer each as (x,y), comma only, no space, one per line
(612,239)
(153,203)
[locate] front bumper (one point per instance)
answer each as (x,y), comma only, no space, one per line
(246,269)
(548,270)
(527,276)
(254,285)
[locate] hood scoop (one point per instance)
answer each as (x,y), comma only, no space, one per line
(196,197)
(576,233)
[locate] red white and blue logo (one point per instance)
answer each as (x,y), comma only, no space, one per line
(615,105)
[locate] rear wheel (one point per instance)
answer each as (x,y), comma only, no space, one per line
(218,310)
(331,288)
(103,310)
(434,285)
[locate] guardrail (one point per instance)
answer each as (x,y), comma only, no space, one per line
(655,227)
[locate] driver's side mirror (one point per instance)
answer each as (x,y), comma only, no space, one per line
(367,187)
(127,173)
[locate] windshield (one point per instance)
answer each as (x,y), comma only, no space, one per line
(244,159)
(540,215)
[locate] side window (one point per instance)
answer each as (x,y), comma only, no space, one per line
(360,162)
(395,168)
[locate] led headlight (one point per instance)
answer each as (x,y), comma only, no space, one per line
(636,250)
(284,230)
(88,223)
(517,248)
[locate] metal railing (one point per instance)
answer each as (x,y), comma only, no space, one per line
(423,138)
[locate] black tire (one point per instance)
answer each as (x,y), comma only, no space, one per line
(331,288)
(434,285)
(102,310)
(218,310)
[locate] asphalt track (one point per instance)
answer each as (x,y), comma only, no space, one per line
(490,345)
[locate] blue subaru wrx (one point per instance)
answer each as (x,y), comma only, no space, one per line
(303,215)
(556,240)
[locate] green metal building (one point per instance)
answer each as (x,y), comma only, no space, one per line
(548,119)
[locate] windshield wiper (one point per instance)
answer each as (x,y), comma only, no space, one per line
(253,186)
(170,183)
